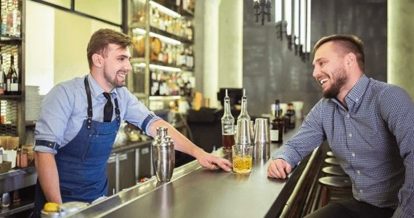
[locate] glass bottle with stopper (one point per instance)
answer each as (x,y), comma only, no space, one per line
(227,125)
(243,133)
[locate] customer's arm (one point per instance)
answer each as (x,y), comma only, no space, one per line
(309,136)
(397,109)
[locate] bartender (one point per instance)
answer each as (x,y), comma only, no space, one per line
(80,118)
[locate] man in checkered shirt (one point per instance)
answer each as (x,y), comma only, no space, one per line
(369,126)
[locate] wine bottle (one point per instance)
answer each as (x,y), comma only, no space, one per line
(12,79)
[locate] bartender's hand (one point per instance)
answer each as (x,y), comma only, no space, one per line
(278,169)
(212,162)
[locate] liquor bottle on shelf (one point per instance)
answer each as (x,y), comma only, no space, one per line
(13,19)
(178,5)
(190,58)
(12,79)
(2,76)
(3,28)
(227,125)
(290,117)
(276,131)
(155,84)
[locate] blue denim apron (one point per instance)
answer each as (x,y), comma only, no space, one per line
(82,162)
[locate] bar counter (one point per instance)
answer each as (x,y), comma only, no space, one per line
(197,192)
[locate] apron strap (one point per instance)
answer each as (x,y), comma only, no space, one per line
(88,95)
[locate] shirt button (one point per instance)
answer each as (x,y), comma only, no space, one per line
(357,99)
(358,172)
(350,135)
(353,154)
(347,116)
(361,191)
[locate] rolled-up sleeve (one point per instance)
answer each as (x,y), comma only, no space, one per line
(138,114)
(54,115)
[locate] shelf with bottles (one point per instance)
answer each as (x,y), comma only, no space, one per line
(164,51)
(164,83)
(10,16)
(138,13)
(170,97)
(10,76)
(11,69)
(169,22)
(154,65)
(10,40)
(183,7)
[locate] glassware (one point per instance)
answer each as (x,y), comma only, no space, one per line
(5,200)
(227,125)
(242,159)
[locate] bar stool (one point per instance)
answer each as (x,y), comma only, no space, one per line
(330,154)
(332,161)
(333,171)
(339,185)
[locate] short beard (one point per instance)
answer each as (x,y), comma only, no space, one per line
(112,81)
(340,79)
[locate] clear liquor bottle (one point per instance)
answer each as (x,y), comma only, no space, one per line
(227,125)
(243,137)
(243,111)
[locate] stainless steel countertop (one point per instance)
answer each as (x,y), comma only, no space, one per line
(20,178)
(196,192)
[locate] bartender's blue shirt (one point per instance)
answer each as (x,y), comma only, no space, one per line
(64,110)
(373,139)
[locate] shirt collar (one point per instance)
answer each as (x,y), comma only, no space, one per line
(96,89)
(354,97)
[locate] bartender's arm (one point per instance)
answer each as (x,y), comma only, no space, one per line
(48,176)
(185,145)
(54,116)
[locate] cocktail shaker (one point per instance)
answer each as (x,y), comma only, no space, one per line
(163,155)
(261,140)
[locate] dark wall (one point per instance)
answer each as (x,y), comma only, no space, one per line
(271,70)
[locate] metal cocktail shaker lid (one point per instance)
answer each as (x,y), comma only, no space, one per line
(162,132)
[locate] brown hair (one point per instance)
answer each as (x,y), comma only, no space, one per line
(102,38)
(350,43)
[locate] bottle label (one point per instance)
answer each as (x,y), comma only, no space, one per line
(14,87)
(274,135)
(227,128)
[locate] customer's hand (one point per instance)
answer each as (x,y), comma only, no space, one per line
(212,162)
(278,169)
